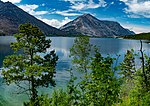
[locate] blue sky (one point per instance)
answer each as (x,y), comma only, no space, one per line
(131,14)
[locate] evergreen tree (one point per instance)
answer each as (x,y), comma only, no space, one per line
(34,65)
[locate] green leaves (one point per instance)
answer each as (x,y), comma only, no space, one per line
(99,85)
(102,87)
(29,66)
(128,65)
(135,89)
(80,52)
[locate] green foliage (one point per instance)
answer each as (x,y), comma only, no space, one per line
(127,67)
(100,86)
(147,74)
(80,52)
(134,91)
(42,100)
(30,66)
(74,94)
(142,36)
(146,99)
(60,98)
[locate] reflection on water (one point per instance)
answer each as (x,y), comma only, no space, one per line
(5,47)
(62,46)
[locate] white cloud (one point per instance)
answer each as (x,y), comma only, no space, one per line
(78,6)
(137,28)
(112,3)
(31,9)
(73,1)
(134,16)
(91,4)
(66,13)
(13,1)
(85,4)
(28,8)
(54,22)
(138,7)
(43,4)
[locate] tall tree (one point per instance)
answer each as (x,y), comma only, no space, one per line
(102,87)
(34,65)
(80,52)
(99,85)
(128,65)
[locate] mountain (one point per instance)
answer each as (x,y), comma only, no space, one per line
(11,17)
(91,26)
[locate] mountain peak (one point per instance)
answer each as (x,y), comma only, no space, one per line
(86,16)
(87,24)
(9,4)
(1,2)
(11,18)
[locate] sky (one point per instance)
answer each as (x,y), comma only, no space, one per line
(131,14)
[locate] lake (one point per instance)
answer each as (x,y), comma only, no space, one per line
(62,45)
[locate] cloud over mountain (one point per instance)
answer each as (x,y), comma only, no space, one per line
(12,1)
(31,9)
(139,8)
(54,12)
(55,22)
(11,17)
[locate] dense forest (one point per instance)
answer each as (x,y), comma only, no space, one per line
(142,36)
(102,83)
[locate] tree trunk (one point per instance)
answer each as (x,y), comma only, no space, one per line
(33,89)
(143,69)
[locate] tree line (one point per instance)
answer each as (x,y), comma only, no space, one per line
(101,83)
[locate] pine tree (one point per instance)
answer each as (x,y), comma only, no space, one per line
(31,62)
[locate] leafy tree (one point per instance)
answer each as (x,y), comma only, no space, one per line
(102,87)
(136,82)
(146,84)
(34,65)
(80,53)
(74,94)
(128,65)
(42,100)
(99,85)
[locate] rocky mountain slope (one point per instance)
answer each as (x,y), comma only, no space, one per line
(91,26)
(11,16)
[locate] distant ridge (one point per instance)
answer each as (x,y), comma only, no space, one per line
(11,17)
(141,36)
(91,26)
